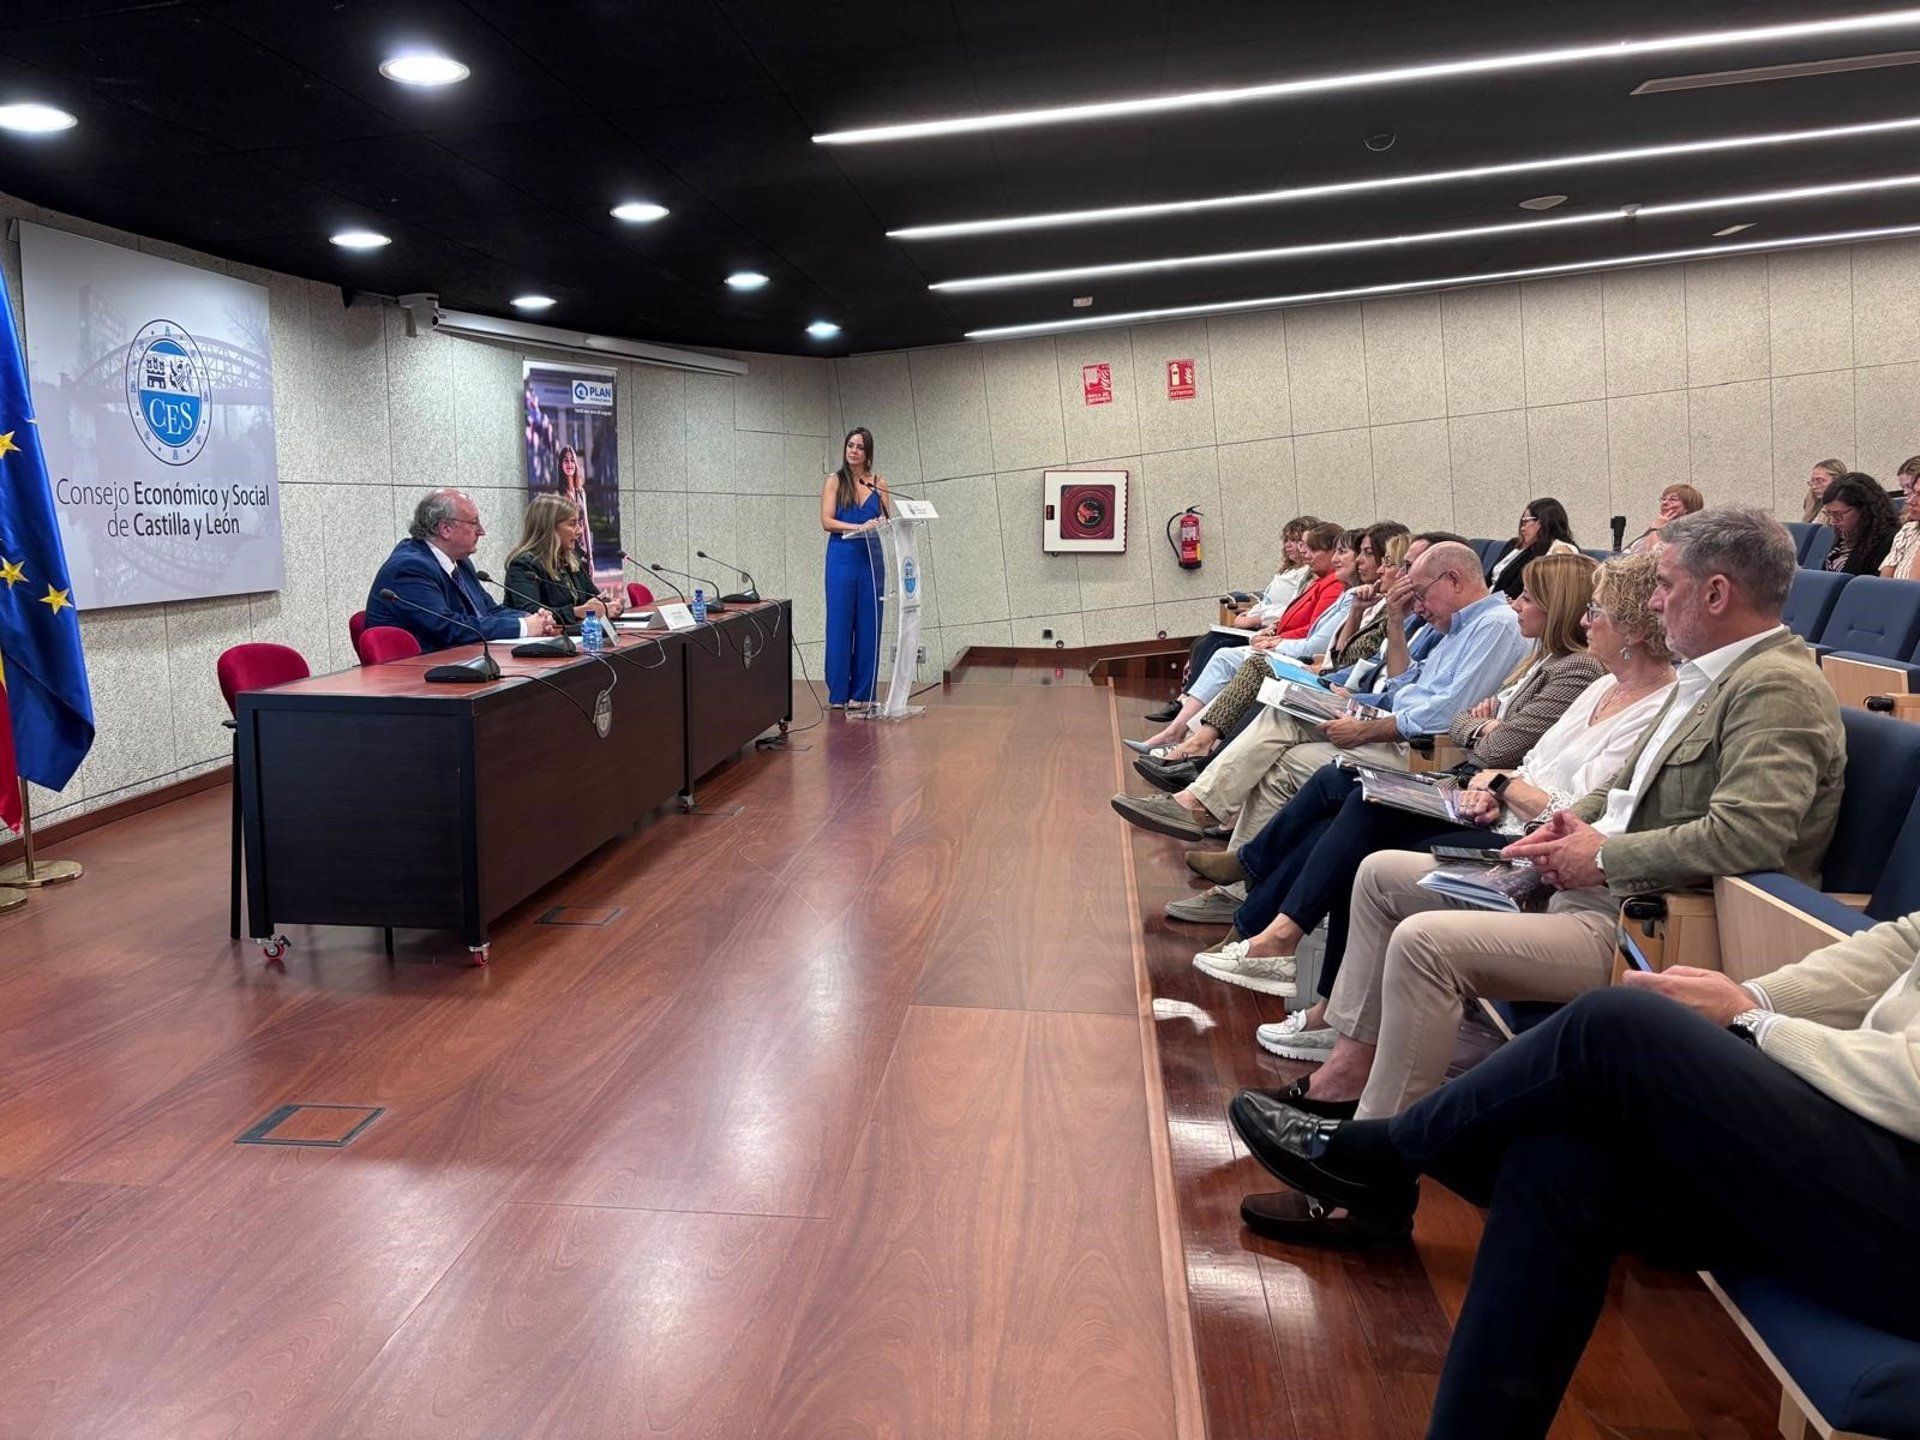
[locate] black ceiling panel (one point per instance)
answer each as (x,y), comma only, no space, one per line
(254,130)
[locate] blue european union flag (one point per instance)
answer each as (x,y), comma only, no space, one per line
(46,675)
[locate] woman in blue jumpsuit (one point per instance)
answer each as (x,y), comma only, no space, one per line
(853,501)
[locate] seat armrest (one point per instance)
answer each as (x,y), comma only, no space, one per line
(1769,921)
(1433,753)
(1854,677)
(1660,931)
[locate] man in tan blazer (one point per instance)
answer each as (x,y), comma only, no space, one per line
(1741,771)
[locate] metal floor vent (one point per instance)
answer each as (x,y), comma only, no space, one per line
(328,1126)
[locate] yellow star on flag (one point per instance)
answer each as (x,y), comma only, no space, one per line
(6,443)
(56,598)
(13,572)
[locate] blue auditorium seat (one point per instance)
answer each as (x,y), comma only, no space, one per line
(1810,600)
(1862,1380)
(1601,555)
(1814,553)
(1874,619)
(1487,549)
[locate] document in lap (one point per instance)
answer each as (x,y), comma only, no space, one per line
(1314,704)
(1434,795)
(1512,885)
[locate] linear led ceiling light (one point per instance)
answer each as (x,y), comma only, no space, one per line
(1423,237)
(1291,194)
(1443,282)
(1370,79)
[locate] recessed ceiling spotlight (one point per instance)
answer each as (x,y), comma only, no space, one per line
(638,212)
(1604,51)
(823,329)
(1543,202)
(746,280)
(1082,302)
(1439,282)
(31,118)
(360,240)
(424,68)
(1293,194)
(532,302)
(1732,230)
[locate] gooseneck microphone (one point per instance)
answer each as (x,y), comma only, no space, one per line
(1619,532)
(748,596)
(714,605)
(477,671)
(553,645)
(627,559)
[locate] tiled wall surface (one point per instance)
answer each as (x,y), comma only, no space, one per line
(1439,410)
(1445,411)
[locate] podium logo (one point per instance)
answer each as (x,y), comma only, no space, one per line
(593,394)
(910,577)
(169,393)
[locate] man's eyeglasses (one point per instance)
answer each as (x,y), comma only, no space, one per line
(1420,591)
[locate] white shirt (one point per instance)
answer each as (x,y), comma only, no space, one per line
(1693,679)
(1576,753)
(449,565)
(1282,591)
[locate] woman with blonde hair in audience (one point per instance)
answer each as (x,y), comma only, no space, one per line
(1903,559)
(1823,474)
(1675,501)
(1300,868)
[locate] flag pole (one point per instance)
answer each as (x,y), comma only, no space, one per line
(26,874)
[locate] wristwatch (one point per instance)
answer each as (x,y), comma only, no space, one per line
(1498,784)
(1747,1026)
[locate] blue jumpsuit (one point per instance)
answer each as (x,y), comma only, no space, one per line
(856,574)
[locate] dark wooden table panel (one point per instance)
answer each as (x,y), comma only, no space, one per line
(739,681)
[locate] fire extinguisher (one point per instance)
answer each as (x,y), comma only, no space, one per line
(1187,547)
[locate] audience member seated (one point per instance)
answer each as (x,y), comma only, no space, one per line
(1863,523)
(1675,501)
(1302,866)
(546,570)
(1823,474)
(1544,530)
(1225,665)
(1285,587)
(1742,771)
(441,600)
(1903,557)
(1322,588)
(1771,1128)
(1353,630)
(1258,772)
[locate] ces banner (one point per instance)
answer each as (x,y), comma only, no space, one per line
(573,448)
(153,391)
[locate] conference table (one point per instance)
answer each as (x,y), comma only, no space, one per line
(375,797)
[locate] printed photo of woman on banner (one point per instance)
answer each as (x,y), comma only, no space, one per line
(572,450)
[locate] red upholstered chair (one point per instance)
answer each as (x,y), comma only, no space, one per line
(638,594)
(356,622)
(250,667)
(380,643)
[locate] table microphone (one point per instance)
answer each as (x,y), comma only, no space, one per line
(477,671)
(1619,532)
(627,559)
(714,605)
(552,647)
(748,596)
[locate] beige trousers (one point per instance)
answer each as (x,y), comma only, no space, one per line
(1415,958)
(1258,772)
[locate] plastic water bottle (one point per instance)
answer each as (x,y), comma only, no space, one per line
(699,606)
(592,637)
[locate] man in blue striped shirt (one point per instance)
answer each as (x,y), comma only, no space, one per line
(1479,645)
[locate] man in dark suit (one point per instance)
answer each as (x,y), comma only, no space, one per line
(432,573)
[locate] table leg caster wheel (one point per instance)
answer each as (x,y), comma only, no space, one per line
(784,725)
(479,954)
(274,948)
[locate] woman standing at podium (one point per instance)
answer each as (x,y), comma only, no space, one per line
(853,504)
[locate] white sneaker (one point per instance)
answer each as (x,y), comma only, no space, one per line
(1269,974)
(1292,1040)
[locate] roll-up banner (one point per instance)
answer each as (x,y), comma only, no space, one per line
(573,449)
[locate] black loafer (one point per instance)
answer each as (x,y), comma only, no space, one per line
(1165,713)
(1167,775)
(1296,1096)
(1293,1145)
(1296,1219)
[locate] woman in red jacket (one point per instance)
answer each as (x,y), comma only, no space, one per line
(1322,590)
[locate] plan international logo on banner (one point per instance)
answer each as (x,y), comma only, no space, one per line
(152,386)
